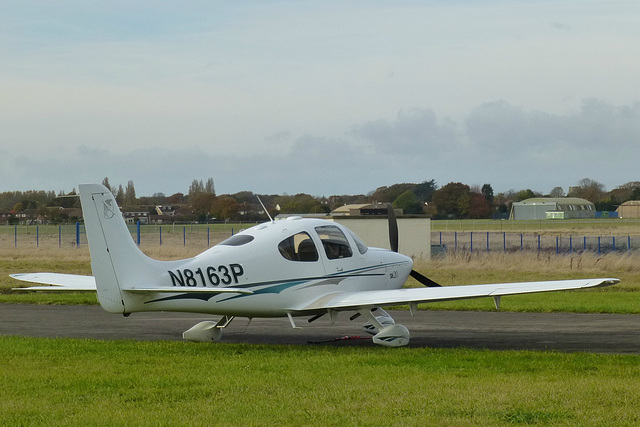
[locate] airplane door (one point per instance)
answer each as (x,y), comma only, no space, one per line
(338,255)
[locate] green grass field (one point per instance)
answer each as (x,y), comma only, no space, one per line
(89,382)
(86,382)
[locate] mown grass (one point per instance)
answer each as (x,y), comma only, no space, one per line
(87,382)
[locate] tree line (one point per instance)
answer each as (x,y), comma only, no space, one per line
(201,203)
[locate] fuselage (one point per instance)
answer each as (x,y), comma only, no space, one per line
(287,265)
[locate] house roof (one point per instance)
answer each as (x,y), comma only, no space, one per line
(631,203)
(556,200)
(349,208)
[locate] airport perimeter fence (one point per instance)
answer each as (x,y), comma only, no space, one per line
(206,235)
(470,241)
(529,225)
(74,235)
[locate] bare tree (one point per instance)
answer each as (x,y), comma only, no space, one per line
(196,188)
(590,190)
(557,192)
(120,195)
(130,194)
(209,187)
(105,182)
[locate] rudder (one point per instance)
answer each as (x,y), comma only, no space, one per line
(116,261)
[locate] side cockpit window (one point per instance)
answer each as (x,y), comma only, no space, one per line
(298,247)
(334,242)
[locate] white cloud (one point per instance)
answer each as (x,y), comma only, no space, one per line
(413,132)
(275,92)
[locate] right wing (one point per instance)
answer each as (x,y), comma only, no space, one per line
(364,299)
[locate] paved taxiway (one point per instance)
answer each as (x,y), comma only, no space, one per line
(601,333)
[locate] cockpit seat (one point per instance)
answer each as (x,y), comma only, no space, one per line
(307,251)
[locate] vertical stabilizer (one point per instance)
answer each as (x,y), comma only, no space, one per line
(116,261)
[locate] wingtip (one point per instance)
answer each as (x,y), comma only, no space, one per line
(606,282)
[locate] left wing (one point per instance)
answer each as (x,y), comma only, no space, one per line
(363,299)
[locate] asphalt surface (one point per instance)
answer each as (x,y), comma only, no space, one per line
(567,332)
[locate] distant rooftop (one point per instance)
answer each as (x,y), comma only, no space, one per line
(557,200)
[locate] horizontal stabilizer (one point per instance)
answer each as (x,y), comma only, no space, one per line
(56,282)
(75,282)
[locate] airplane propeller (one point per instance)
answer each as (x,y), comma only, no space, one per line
(393,244)
(393,228)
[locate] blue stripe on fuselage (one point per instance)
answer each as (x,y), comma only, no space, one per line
(277,286)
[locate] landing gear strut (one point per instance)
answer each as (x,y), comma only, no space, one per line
(384,329)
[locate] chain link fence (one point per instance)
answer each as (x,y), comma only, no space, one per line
(74,235)
(206,235)
(470,241)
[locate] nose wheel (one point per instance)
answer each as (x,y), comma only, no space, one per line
(207,331)
(384,329)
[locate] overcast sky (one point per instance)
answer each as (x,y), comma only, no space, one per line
(321,97)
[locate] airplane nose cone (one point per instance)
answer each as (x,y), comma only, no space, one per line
(405,265)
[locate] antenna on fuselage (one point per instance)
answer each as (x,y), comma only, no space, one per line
(265,209)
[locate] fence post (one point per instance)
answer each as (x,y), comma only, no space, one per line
(471,241)
(521,242)
(138,232)
(487,241)
(613,241)
(598,245)
(160,235)
(538,243)
(15,237)
(77,234)
(59,236)
(629,242)
(455,239)
(37,236)
(184,236)
(208,245)
(557,245)
(570,244)
(504,240)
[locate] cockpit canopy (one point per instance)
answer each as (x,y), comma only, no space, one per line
(301,247)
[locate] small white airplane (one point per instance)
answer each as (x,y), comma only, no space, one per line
(290,268)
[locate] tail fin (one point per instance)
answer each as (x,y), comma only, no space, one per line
(116,261)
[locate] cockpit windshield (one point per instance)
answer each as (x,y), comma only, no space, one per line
(362,248)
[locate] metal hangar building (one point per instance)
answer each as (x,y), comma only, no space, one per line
(553,208)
